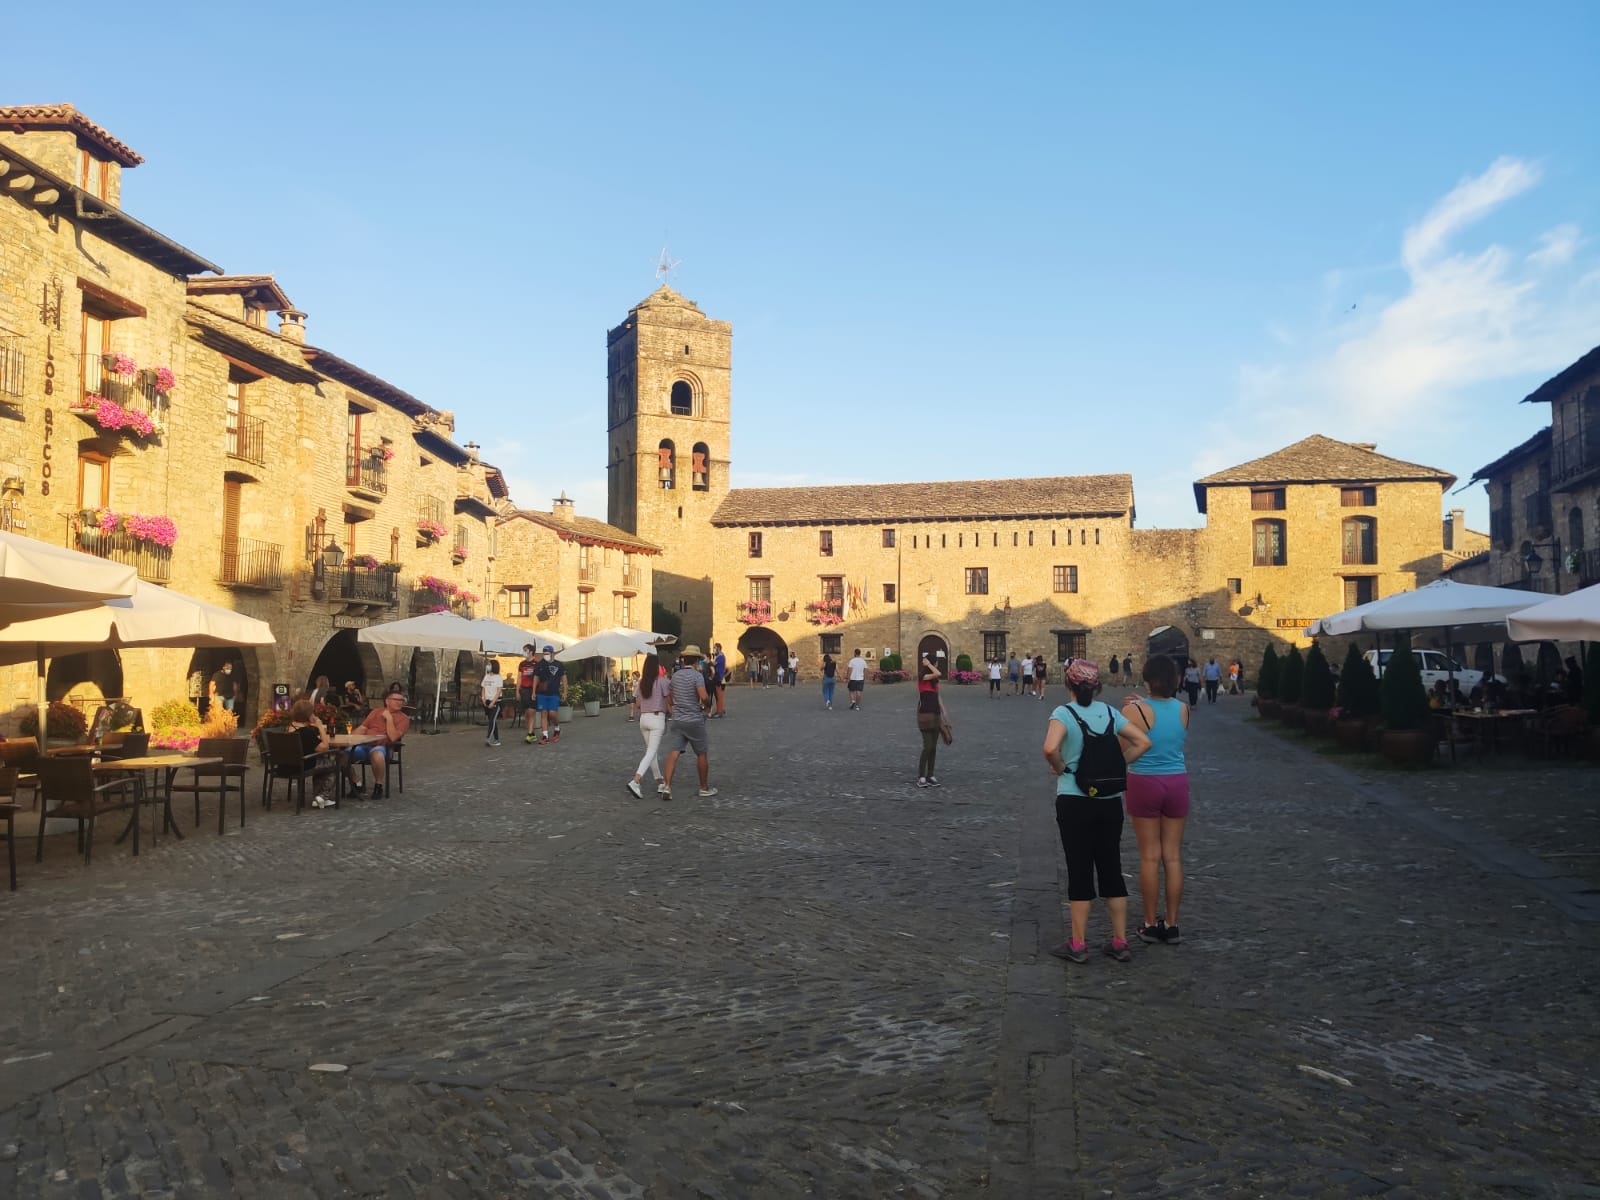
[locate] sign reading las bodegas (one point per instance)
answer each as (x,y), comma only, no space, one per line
(1296,622)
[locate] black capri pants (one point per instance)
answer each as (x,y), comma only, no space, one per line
(1091,838)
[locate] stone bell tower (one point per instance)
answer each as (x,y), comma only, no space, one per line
(668,375)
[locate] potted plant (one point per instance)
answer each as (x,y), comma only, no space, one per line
(1267,685)
(1406,738)
(1358,702)
(1316,691)
(587,693)
(63,722)
(1291,673)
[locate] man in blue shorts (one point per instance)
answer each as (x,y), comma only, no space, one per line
(549,692)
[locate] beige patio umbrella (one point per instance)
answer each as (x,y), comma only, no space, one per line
(150,617)
(40,580)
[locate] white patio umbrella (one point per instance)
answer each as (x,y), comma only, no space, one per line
(151,617)
(617,642)
(1574,617)
(1442,604)
(40,580)
(443,631)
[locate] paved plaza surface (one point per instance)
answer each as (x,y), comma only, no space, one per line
(820,982)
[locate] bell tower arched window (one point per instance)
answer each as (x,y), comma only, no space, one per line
(701,468)
(682,399)
(666,465)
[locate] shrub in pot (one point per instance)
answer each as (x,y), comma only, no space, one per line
(1406,737)
(1291,673)
(1357,696)
(1316,690)
(1267,684)
(963,662)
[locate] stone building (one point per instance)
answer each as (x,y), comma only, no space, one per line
(1544,494)
(158,416)
(571,575)
(1048,566)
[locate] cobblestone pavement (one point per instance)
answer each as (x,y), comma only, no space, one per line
(821,982)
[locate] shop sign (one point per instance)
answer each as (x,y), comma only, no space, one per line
(342,621)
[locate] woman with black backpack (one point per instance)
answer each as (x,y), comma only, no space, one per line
(1088,745)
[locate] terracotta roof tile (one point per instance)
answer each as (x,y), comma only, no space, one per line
(23,117)
(1319,459)
(586,528)
(1053,496)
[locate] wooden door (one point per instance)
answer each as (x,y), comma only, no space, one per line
(230,530)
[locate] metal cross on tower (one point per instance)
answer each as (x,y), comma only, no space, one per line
(665,265)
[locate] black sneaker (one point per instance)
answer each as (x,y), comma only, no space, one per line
(1171,938)
(1151,934)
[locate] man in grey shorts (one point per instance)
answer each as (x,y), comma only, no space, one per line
(686,720)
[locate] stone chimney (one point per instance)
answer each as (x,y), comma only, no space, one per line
(1455,523)
(292,325)
(562,508)
(1368,446)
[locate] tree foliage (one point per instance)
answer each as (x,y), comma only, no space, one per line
(1405,700)
(1316,687)
(1291,673)
(1358,686)
(1267,676)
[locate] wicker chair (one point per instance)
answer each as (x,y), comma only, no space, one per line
(68,792)
(218,781)
(286,759)
(8,814)
(24,756)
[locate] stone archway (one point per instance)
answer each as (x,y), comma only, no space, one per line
(249,674)
(1164,639)
(765,641)
(937,648)
(95,675)
(343,658)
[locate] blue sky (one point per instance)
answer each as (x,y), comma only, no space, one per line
(954,242)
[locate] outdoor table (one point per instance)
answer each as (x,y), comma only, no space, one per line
(171,764)
(84,751)
(1488,723)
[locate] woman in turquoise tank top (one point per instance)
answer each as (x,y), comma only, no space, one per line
(1158,797)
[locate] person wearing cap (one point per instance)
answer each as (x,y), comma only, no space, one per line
(550,693)
(1090,825)
(686,728)
(390,722)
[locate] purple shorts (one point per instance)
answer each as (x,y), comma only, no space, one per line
(1157,795)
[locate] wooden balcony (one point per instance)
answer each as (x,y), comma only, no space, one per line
(251,565)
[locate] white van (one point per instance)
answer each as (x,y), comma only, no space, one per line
(1435,666)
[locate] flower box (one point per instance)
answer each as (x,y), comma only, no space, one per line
(364,562)
(162,531)
(111,416)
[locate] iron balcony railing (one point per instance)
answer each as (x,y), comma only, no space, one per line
(367,475)
(1574,458)
(136,392)
(589,573)
(426,600)
(153,562)
(370,587)
(430,508)
(1589,567)
(247,438)
(13,366)
(248,563)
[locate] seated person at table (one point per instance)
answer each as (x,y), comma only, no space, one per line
(1476,698)
(353,701)
(1497,693)
(313,740)
(390,723)
(1439,697)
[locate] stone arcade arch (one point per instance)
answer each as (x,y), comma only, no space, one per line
(762,639)
(937,647)
(1164,639)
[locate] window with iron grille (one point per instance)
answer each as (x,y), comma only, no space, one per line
(1073,644)
(832,643)
(994,646)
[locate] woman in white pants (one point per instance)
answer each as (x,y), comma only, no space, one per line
(650,694)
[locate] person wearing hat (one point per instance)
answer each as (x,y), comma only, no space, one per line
(1090,821)
(550,693)
(686,727)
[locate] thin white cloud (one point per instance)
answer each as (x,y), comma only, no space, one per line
(1469,201)
(1464,316)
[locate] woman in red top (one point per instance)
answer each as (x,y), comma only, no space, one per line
(930,713)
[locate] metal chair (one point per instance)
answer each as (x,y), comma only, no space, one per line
(68,784)
(218,780)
